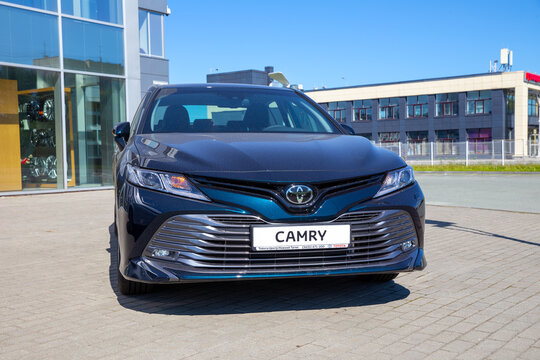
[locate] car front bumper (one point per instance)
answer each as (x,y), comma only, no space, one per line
(211,241)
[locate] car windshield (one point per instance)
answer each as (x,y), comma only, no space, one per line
(219,109)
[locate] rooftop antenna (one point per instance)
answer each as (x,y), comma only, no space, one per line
(507,59)
(493,67)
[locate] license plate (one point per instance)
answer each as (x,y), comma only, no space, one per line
(300,237)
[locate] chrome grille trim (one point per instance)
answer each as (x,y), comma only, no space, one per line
(213,243)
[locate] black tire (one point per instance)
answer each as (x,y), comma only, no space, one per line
(379,278)
(115,227)
(128,287)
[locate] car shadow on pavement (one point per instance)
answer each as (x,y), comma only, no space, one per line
(453,226)
(253,296)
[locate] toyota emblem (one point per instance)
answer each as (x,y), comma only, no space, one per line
(299,194)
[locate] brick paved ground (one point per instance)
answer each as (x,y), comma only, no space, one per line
(478,298)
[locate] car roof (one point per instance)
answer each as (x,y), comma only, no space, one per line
(222,86)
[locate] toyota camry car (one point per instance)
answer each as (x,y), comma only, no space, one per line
(230,182)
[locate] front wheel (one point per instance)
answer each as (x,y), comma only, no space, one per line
(128,287)
(378,278)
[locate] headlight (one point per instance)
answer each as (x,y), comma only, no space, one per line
(161,181)
(395,180)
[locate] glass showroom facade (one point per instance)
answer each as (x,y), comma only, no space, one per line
(62,88)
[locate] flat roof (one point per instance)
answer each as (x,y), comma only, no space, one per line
(410,81)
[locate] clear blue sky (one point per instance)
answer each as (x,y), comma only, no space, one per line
(338,43)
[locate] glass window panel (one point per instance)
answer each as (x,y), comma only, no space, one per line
(472,133)
(411,100)
(93,47)
(487,106)
(453,97)
(30,131)
(417,111)
(425,111)
(28,37)
(440,97)
(479,107)
(383,102)
(368,114)
(40,4)
(438,109)
(389,136)
(102,10)
(454,108)
(447,109)
(156,37)
(485,94)
(423,99)
(472,95)
(332,106)
(394,101)
(470,107)
(143,32)
(97,104)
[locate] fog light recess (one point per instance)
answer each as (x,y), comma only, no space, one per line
(407,245)
(162,253)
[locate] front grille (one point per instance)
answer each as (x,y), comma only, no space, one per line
(222,243)
(276,191)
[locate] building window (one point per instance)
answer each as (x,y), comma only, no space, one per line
(93,47)
(28,37)
(31,129)
(389,137)
(98,103)
(151,33)
(361,110)
(389,108)
(479,102)
(510,99)
(447,142)
(478,140)
(40,4)
(533,105)
(446,104)
(417,143)
(338,110)
(417,106)
(102,10)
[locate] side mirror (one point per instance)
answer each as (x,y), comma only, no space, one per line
(120,132)
(349,130)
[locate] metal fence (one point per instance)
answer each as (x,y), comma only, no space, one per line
(495,151)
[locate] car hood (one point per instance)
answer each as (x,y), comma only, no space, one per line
(264,156)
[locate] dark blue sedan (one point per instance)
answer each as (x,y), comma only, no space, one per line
(230,182)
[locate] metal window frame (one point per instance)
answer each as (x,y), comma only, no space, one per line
(23,7)
(341,118)
(444,104)
(62,72)
(476,101)
(391,108)
(357,114)
(162,16)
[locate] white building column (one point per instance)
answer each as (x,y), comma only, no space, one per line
(521,119)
